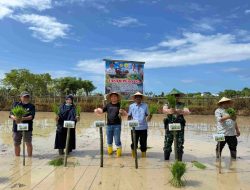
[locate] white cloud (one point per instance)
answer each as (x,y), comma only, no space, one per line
(232,70)
(194,49)
(126,22)
(247,11)
(187,81)
(4,11)
(45,28)
(24,4)
(2,74)
(95,66)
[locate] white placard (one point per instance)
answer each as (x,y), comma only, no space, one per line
(99,124)
(174,126)
(219,137)
(133,123)
(69,124)
(22,127)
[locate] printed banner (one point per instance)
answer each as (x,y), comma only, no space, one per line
(125,77)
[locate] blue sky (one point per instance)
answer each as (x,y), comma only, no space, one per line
(191,45)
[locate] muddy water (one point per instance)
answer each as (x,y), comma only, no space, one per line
(153,173)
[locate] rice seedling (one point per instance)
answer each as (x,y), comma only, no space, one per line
(19,112)
(171,101)
(123,104)
(199,165)
(78,110)
(177,169)
(56,162)
(55,109)
(153,109)
(231,112)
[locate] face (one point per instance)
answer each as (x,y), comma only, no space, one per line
(138,99)
(25,99)
(68,101)
(227,104)
(114,98)
(111,65)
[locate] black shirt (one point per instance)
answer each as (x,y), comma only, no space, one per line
(30,108)
(113,113)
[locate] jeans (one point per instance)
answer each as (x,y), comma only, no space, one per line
(114,131)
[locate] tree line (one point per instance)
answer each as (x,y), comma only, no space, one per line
(18,80)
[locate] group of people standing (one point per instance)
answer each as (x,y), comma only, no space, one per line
(139,111)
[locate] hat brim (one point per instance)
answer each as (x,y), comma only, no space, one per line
(226,101)
(109,95)
(23,95)
(133,97)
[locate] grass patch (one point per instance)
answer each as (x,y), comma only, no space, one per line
(56,162)
(198,165)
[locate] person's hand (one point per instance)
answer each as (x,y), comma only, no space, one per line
(122,112)
(233,117)
(172,111)
(78,118)
(237,133)
(57,118)
(98,111)
(149,117)
(14,117)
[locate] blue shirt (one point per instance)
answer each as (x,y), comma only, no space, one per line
(139,113)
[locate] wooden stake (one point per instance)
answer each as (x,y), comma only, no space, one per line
(101,146)
(135,148)
(67,148)
(23,148)
(219,157)
(175,146)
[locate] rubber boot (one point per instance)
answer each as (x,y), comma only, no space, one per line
(166,155)
(110,150)
(143,154)
(133,153)
(61,152)
(233,154)
(119,152)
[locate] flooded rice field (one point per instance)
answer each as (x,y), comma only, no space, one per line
(83,171)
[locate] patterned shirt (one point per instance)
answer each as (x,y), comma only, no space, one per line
(226,127)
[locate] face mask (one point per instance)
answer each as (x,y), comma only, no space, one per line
(68,104)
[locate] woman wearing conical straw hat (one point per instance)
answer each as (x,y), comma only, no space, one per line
(114,121)
(227,125)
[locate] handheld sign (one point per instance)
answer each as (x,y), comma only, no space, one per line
(22,127)
(133,123)
(69,124)
(219,137)
(174,127)
(99,123)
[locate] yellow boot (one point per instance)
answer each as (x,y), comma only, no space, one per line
(133,153)
(110,150)
(119,152)
(143,154)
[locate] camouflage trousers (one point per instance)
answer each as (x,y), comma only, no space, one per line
(169,138)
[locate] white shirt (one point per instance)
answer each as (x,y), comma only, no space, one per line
(228,126)
(110,71)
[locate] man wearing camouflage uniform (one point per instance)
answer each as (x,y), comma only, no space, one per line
(174,115)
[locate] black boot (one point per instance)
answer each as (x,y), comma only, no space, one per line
(179,156)
(61,152)
(233,154)
(166,155)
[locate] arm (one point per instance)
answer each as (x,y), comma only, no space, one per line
(31,115)
(185,111)
(149,116)
(237,129)
(130,114)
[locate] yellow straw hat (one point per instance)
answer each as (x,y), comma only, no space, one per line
(224,99)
